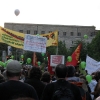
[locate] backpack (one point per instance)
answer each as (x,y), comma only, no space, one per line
(63,93)
(82,91)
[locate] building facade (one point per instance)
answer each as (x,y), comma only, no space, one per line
(67,34)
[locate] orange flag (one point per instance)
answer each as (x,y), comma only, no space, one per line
(75,56)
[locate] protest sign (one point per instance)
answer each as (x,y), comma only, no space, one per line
(35,43)
(56,59)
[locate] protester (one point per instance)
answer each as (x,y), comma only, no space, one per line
(46,78)
(2,79)
(92,86)
(61,73)
(71,74)
(24,99)
(81,83)
(5,75)
(13,88)
(34,80)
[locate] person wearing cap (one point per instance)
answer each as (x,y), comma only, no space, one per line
(13,88)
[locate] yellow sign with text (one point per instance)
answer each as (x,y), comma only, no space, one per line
(12,38)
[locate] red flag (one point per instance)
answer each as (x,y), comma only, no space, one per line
(75,56)
(49,67)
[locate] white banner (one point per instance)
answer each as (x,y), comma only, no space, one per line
(35,43)
(56,59)
(92,65)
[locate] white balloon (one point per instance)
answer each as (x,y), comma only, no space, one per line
(17,12)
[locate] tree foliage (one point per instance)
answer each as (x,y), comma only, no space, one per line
(94,47)
(60,50)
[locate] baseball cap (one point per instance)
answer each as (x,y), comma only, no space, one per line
(14,66)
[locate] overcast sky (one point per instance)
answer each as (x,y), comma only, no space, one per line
(57,12)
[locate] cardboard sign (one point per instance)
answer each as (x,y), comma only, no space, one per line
(56,59)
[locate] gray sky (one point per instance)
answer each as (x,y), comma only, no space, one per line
(63,12)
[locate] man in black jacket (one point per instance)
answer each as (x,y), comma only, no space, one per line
(34,80)
(61,73)
(13,88)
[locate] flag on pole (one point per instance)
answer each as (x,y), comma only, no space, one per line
(75,56)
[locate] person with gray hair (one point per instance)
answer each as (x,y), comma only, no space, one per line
(13,88)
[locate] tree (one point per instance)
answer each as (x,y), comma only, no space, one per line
(62,50)
(94,47)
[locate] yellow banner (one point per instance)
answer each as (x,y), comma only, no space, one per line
(16,39)
(52,38)
(12,38)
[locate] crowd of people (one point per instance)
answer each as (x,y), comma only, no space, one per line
(20,83)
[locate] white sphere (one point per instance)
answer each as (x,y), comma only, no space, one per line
(17,12)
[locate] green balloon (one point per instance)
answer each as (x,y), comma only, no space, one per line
(83,64)
(22,56)
(85,36)
(38,34)
(1,63)
(69,58)
(29,60)
(89,78)
(12,57)
(9,61)
(43,54)
(39,63)
(4,65)
(21,62)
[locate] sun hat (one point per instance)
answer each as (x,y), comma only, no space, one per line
(14,66)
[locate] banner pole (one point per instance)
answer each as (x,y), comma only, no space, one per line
(57,50)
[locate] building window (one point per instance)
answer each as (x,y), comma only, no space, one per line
(28,31)
(92,33)
(78,34)
(50,31)
(58,32)
(35,32)
(72,33)
(64,33)
(42,32)
(21,31)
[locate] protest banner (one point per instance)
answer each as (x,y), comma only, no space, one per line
(35,43)
(92,65)
(12,38)
(16,39)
